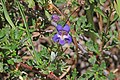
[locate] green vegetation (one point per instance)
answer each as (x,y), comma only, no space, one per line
(35,46)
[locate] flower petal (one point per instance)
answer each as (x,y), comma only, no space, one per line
(69,39)
(56,38)
(66,28)
(59,27)
(62,42)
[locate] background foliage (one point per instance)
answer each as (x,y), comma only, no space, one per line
(27,50)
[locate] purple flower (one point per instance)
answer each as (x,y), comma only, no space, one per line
(62,35)
(55,18)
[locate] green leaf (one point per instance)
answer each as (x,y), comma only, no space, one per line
(52,67)
(89,74)
(7,15)
(17,60)
(59,2)
(48,15)
(18,34)
(74,74)
(13,46)
(38,59)
(111,76)
(82,19)
(94,34)
(116,16)
(2,33)
(22,14)
(117,6)
(103,78)
(1,54)
(41,56)
(98,10)
(91,1)
(15,73)
(75,3)
(103,65)
(95,68)
(10,61)
(102,1)
(92,60)
(68,77)
(92,46)
(1,67)
(31,3)
(81,78)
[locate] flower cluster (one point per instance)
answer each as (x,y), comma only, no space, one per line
(62,36)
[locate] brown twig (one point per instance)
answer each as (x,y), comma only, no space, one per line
(107,44)
(52,6)
(118,29)
(67,70)
(32,69)
(81,48)
(110,54)
(50,76)
(100,22)
(116,70)
(71,14)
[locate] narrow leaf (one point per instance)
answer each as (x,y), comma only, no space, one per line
(98,10)
(7,15)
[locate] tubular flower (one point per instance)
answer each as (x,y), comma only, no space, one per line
(62,36)
(55,18)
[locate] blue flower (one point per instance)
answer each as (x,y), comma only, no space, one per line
(55,18)
(62,35)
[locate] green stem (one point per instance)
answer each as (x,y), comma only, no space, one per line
(108,21)
(89,13)
(27,29)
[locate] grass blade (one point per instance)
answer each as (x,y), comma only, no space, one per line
(7,15)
